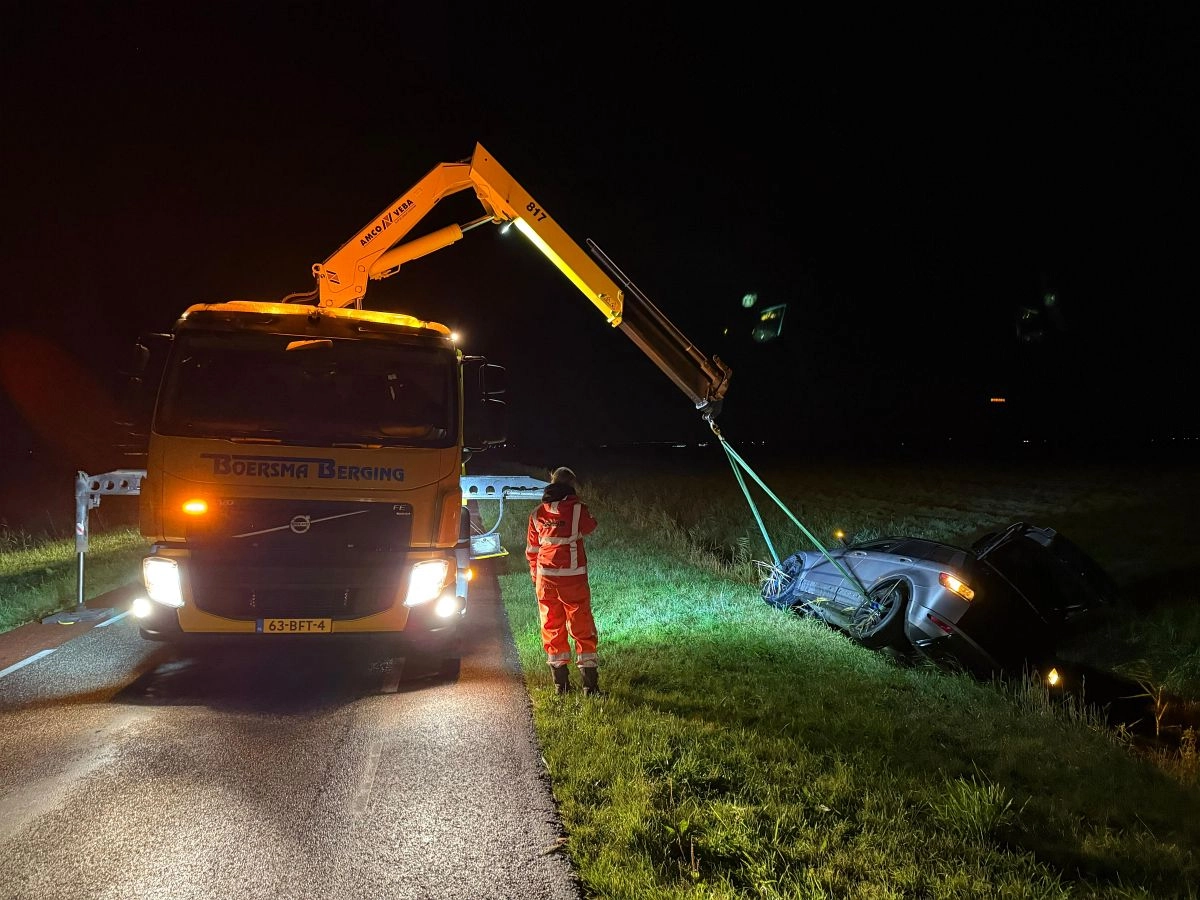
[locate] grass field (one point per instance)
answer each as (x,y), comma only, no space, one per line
(39,572)
(743,752)
(740,751)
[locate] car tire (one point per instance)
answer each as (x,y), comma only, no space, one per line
(882,617)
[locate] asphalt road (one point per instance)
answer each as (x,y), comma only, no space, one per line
(133,769)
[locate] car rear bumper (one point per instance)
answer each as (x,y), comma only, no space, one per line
(942,642)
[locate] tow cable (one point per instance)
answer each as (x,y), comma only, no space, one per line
(776,571)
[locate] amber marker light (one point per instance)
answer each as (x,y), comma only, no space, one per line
(195,507)
(950,583)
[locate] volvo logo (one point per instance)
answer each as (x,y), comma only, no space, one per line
(301,524)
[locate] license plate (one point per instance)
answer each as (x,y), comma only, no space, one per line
(295,626)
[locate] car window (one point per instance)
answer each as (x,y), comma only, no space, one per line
(918,548)
(881,545)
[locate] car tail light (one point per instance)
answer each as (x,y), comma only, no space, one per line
(952,584)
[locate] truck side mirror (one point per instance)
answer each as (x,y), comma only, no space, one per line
(492,381)
(485,418)
(138,389)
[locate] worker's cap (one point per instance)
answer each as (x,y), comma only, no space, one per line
(563,475)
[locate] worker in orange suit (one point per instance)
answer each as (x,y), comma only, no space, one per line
(558,567)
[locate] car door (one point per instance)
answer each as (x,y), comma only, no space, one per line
(836,597)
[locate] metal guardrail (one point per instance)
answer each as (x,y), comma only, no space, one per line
(501,487)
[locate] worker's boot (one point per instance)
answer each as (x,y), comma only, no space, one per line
(562,678)
(591,681)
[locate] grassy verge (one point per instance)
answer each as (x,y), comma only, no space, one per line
(742,752)
(38,577)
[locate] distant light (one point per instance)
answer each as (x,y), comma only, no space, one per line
(997,400)
(770,323)
(748,300)
(1053,678)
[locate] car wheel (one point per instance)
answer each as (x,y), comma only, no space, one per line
(878,622)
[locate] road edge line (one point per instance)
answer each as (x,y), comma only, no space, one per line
(26,661)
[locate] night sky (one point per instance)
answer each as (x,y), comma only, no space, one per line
(913,190)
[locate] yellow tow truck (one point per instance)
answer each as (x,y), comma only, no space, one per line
(305,458)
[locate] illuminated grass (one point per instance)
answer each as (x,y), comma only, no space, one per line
(742,752)
(38,576)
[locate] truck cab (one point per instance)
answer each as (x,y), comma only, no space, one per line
(303,475)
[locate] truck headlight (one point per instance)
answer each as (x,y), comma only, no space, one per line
(161,577)
(426,582)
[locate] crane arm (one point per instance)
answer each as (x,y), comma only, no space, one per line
(375,252)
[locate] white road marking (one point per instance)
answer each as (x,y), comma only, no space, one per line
(362,796)
(108,622)
(27,661)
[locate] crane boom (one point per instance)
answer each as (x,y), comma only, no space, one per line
(376,252)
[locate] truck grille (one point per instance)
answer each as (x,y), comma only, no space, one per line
(243,590)
(253,525)
(264,558)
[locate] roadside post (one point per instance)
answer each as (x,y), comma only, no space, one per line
(88,491)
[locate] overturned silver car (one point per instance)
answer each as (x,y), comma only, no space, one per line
(998,607)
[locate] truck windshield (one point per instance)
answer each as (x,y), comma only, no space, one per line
(284,388)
